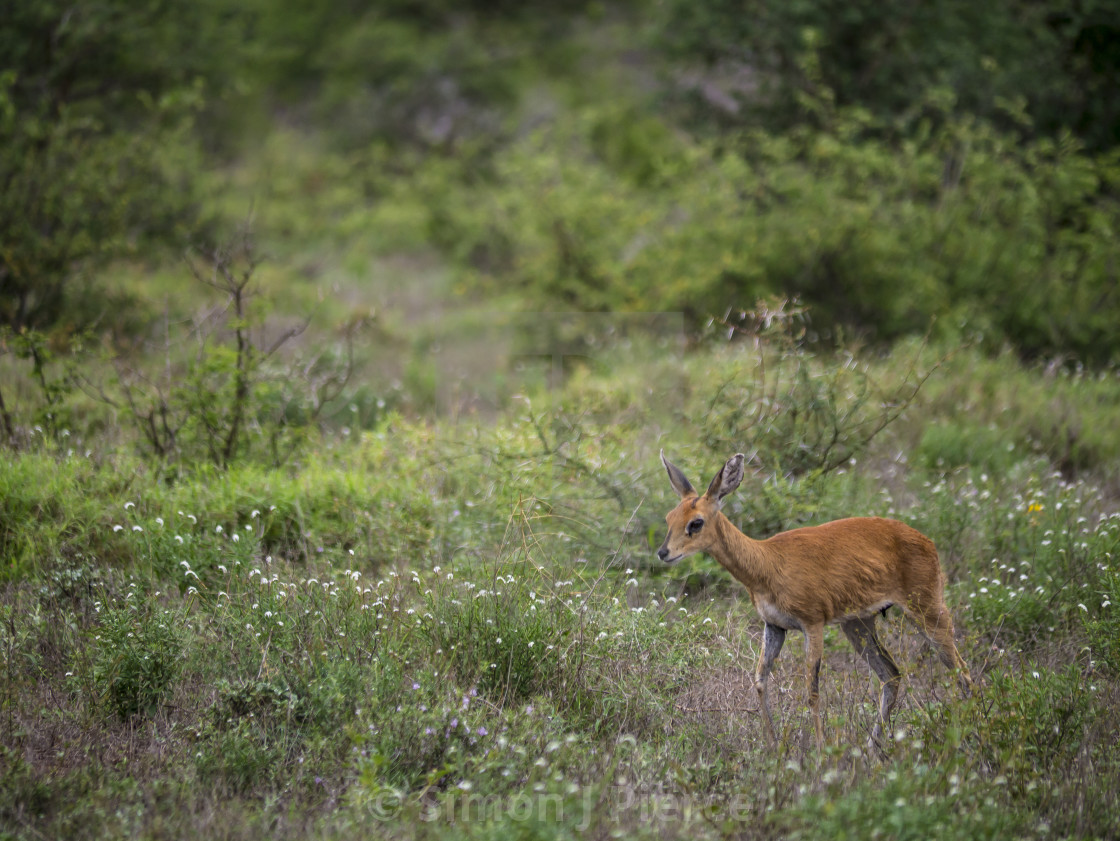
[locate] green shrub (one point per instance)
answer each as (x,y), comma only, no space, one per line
(138,656)
(266,732)
(1049,573)
(504,634)
(1043,738)
(231,399)
(1103,627)
(1013,63)
(923,802)
(799,412)
(429,730)
(865,228)
(1035,742)
(1035,719)
(439,736)
(947,445)
(240,758)
(992,411)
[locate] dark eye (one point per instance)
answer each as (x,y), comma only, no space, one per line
(694,526)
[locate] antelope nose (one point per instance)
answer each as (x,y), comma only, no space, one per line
(663,553)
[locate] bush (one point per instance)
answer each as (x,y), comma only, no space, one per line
(138,654)
(799,412)
(241,757)
(994,412)
(443,737)
(1103,627)
(1036,719)
(870,233)
(1048,572)
(926,802)
(1017,63)
(949,445)
(231,399)
(95,110)
(503,635)
(1026,549)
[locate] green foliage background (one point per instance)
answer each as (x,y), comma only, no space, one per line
(891,167)
(338,342)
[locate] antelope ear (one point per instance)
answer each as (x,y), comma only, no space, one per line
(728,478)
(677,479)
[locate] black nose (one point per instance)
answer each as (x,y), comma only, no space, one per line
(663,553)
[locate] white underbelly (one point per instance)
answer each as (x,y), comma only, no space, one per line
(773,615)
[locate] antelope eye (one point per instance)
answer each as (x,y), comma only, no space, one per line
(694,526)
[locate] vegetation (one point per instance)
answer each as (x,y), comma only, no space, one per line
(458,627)
(1048,60)
(339,343)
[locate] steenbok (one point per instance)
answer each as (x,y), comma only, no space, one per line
(846,572)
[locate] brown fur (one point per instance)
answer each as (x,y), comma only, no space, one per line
(840,572)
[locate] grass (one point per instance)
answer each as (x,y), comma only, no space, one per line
(457,629)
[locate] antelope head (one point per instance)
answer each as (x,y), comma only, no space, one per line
(692,522)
